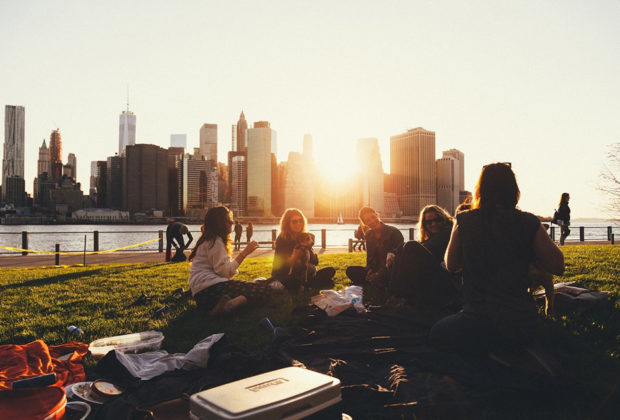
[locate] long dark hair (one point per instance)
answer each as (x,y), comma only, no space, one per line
(217,224)
(441,214)
(563,200)
(496,187)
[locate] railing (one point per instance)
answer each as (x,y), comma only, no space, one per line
(13,243)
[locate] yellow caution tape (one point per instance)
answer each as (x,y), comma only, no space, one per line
(9,248)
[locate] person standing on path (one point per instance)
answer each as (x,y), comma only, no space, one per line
(238,233)
(563,219)
(249,231)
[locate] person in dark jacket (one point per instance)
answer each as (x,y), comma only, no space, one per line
(238,232)
(249,231)
(382,243)
(174,237)
(292,224)
(418,276)
(563,217)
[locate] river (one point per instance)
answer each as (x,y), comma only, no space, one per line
(73,237)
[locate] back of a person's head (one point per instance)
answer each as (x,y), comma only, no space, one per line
(216,222)
(496,187)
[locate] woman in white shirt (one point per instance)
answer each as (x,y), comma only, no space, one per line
(213,267)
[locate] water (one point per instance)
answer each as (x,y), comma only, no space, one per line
(72,237)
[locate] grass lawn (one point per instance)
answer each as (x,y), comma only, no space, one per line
(39,303)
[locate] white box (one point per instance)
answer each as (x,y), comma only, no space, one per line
(290,393)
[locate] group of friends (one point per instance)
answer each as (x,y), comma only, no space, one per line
(476,266)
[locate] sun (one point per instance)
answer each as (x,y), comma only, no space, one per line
(337,169)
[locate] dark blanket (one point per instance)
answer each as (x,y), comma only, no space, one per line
(384,362)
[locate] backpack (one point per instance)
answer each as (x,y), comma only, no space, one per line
(556,216)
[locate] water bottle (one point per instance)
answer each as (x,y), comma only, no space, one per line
(266,323)
(162,310)
(74,330)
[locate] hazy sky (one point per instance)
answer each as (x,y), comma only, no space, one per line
(535,83)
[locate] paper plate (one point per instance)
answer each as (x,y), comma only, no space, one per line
(82,390)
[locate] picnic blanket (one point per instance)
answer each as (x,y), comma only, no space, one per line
(37,358)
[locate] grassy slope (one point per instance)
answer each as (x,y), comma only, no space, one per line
(39,303)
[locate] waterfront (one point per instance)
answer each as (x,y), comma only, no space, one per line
(75,237)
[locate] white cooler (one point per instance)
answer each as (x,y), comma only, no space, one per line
(289,393)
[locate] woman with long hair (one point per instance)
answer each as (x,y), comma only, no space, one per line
(213,267)
(417,275)
(293,225)
(563,217)
(494,244)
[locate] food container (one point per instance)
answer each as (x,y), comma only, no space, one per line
(129,343)
(289,393)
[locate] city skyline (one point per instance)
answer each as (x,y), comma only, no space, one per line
(532,84)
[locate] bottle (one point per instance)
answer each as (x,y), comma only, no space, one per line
(74,330)
(162,310)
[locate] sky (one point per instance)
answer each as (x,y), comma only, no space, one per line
(534,83)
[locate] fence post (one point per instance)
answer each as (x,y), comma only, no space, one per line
(582,234)
(323,238)
(96,241)
(609,233)
(411,233)
(57,254)
(24,242)
(613,238)
(273,238)
(161,241)
(350,245)
(552,233)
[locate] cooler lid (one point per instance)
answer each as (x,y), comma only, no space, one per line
(269,388)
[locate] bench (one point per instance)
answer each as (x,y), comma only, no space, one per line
(356,243)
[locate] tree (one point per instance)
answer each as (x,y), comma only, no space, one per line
(609,182)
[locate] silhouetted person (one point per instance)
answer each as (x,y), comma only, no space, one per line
(174,237)
(249,231)
(238,232)
(563,217)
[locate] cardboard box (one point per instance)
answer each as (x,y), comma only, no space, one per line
(290,393)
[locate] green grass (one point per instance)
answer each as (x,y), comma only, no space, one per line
(39,303)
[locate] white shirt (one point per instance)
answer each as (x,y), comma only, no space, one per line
(211,265)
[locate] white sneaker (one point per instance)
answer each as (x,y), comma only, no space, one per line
(259,280)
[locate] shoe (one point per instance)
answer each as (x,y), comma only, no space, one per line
(276,285)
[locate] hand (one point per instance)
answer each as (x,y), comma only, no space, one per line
(250,247)
(389,259)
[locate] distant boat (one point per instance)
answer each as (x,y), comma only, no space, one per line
(340,221)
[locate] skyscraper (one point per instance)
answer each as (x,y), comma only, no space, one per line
(298,187)
(412,166)
(56,155)
(261,145)
(14,139)
(71,166)
(448,169)
(43,164)
(195,179)
(178,140)
(460,157)
(237,174)
(126,130)
(208,142)
(242,126)
(371,173)
(145,178)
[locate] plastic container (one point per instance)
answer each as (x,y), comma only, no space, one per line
(74,330)
(130,343)
(286,394)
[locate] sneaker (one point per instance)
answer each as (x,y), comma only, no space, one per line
(276,285)
(259,280)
